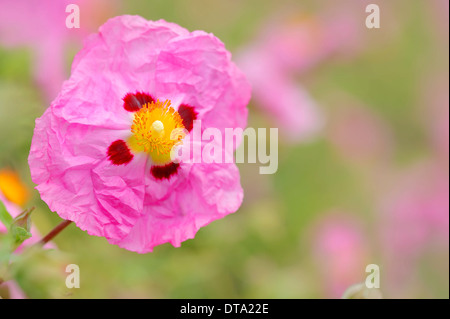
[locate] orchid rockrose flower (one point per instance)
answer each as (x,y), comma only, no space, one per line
(100,154)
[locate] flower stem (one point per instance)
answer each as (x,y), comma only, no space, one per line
(55,231)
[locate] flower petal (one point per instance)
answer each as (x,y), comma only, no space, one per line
(198,67)
(209,192)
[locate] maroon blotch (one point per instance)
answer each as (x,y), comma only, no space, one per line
(133,102)
(188,115)
(119,153)
(161,172)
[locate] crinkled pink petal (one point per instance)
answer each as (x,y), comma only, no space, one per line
(198,65)
(207,192)
(69,165)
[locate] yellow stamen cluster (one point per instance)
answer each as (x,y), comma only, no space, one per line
(156,129)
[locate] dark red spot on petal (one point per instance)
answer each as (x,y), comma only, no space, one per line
(119,153)
(188,115)
(161,172)
(133,102)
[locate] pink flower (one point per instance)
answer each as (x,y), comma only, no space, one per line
(100,153)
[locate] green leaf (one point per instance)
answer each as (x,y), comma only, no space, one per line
(5,217)
(19,234)
(24,220)
(21,226)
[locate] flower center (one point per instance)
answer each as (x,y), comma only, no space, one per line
(156,129)
(158,126)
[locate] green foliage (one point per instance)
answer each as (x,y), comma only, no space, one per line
(5,216)
(21,227)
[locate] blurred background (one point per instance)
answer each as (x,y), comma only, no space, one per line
(363,175)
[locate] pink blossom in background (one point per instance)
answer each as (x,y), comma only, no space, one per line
(286,48)
(289,105)
(15,292)
(414,220)
(97,153)
(299,42)
(40,25)
(341,252)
